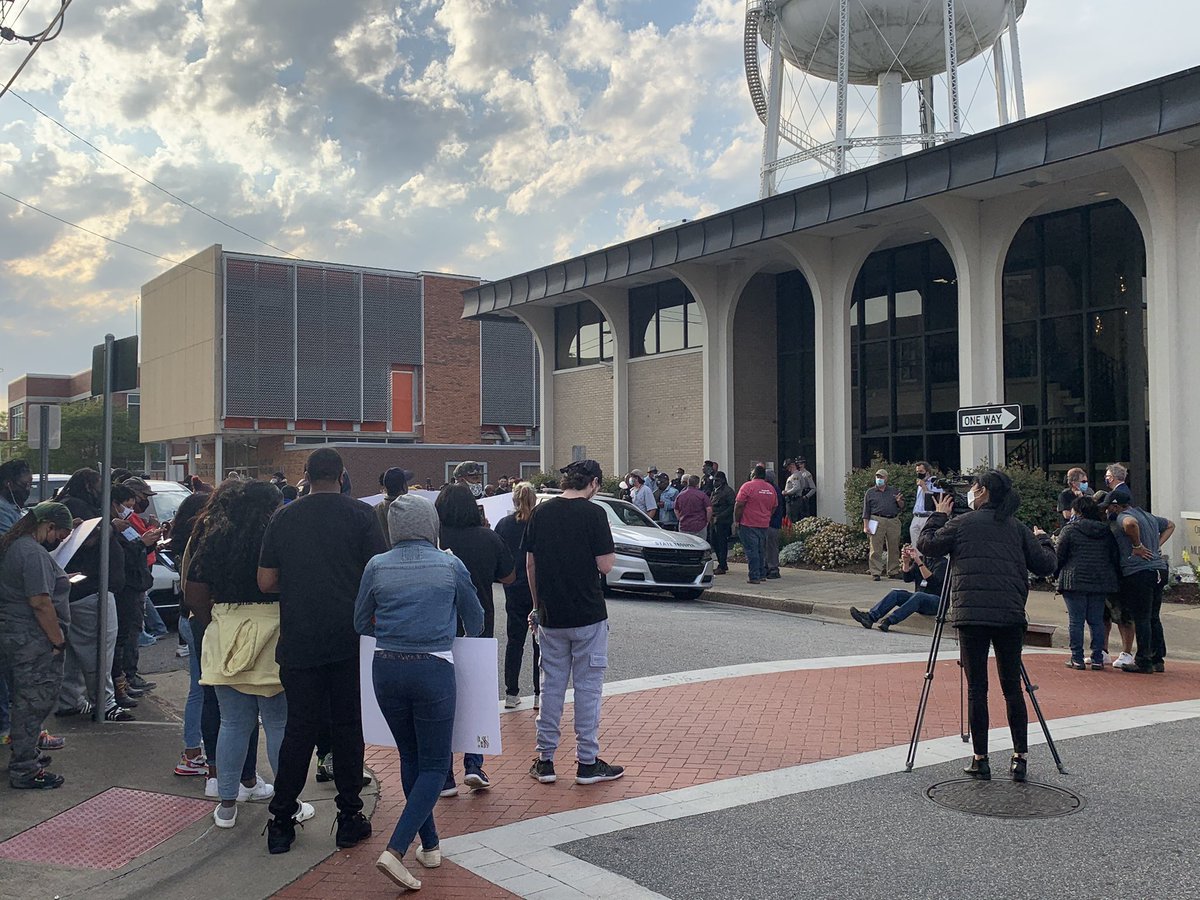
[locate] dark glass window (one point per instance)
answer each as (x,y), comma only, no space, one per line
(664,317)
(796,345)
(1074,351)
(904,356)
(582,336)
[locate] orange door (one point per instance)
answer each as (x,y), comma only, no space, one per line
(402,402)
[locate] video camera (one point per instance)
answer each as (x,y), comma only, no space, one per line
(955,487)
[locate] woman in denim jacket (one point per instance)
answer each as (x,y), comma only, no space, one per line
(410,600)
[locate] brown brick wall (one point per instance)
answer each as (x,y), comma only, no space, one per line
(452,396)
(366,462)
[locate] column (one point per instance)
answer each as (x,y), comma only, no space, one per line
(540,321)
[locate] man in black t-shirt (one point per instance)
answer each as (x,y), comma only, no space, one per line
(569,546)
(313,555)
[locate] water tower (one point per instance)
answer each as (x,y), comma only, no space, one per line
(881,44)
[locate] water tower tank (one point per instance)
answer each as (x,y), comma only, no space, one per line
(882,31)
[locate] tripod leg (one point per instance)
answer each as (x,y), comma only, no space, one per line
(1031,690)
(940,624)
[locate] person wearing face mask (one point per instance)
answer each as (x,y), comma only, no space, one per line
(881,521)
(34,609)
(1077,486)
(471,474)
(16,483)
(150,532)
(1088,563)
(135,546)
(991,556)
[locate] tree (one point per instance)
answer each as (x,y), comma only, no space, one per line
(82,436)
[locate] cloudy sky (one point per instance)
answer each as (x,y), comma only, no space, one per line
(483,137)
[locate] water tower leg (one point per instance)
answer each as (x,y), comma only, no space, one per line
(770,154)
(843,81)
(889,99)
(1015,44)
(1001,85)
(950,26)
(925,99)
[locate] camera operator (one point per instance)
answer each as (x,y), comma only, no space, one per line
(991,556)
(923,506)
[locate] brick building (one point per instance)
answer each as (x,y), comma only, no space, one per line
(250,362)
(54,390)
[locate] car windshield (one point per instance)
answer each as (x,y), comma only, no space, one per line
(626,514)
(166,503)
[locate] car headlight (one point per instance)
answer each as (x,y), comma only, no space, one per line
(708,556)
(629,550)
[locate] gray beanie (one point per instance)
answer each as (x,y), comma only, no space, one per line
(412,518)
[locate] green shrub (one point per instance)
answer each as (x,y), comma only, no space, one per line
(900,478)
(737,553)
(539,480)
(791,554)
(811,525)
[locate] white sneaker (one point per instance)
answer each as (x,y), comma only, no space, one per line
(1125,659)
(537,701)
(211,789)
(430,859)
(1107,660)
(512,701)
(260,791)
(225,816)
(183,651)
(304,813)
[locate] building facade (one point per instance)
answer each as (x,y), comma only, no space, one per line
(55,390)
(249,362)
(1052,262)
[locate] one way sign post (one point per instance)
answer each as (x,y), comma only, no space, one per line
(994,419)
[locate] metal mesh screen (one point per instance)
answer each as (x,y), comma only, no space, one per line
(391,334)
(259,334)
(328,350)
(509,369)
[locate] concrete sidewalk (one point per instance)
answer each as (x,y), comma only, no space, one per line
(829,596)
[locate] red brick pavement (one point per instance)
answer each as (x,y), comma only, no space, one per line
(677,737)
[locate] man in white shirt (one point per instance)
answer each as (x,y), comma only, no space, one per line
(921,509)
(641,494)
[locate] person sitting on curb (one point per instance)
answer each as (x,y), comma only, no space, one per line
(925,600)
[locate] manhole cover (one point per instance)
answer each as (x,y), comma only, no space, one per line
(1005,799)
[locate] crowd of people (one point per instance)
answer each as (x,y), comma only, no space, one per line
(279,583)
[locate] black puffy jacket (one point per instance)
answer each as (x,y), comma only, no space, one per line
(990,562)
(1088,558)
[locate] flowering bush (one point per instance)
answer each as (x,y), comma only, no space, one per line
(810,526)
(791,554)
(836,545)
(737,553)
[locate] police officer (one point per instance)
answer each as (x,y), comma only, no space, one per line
(34,607)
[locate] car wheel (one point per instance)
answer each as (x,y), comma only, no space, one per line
(690,594)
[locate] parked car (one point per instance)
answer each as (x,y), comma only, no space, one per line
(164,593)
(651,559)
(53,483)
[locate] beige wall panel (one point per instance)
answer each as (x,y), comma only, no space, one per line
(583,415)
(180,333)
(666,412)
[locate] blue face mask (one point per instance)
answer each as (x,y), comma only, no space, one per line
(879,482)
(1083,486)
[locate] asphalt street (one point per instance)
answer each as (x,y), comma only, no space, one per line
(882,838)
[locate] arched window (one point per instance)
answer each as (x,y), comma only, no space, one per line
(904,356)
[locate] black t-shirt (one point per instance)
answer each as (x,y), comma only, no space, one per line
(320,544)
(486,557)
(513,534)
(565,536)
(242,581)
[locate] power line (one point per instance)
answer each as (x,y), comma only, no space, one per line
(150,182)
(104,237)
(62,10)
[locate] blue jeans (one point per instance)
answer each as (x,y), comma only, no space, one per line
(155,626)
(416,694)
(239,719)
(754,540)
(5,720)
(210,714)
(194,708)
(1084,607)
(908,603)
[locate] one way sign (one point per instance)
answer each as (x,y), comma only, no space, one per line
(990,419)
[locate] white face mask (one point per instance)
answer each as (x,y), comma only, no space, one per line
(476,489)
(972,496)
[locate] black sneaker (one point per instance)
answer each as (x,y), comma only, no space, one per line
(884,624)
(543,771)
(325,768)
(1138,670)
(477,780)
(980,769)
(41,780)
(281,834)
(137,682)
(351,829)
(125,701)
(1019,768)
(1160,668)
(597,771)
(116,714)
(861,617)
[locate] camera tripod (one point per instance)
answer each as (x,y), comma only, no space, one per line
(964,730)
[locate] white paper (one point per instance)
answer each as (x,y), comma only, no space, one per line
(477,711)
(62,555)
(872,526)
(495,508)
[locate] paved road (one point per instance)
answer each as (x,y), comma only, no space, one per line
(882,838)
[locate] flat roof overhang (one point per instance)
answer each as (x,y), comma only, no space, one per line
(1060,138)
